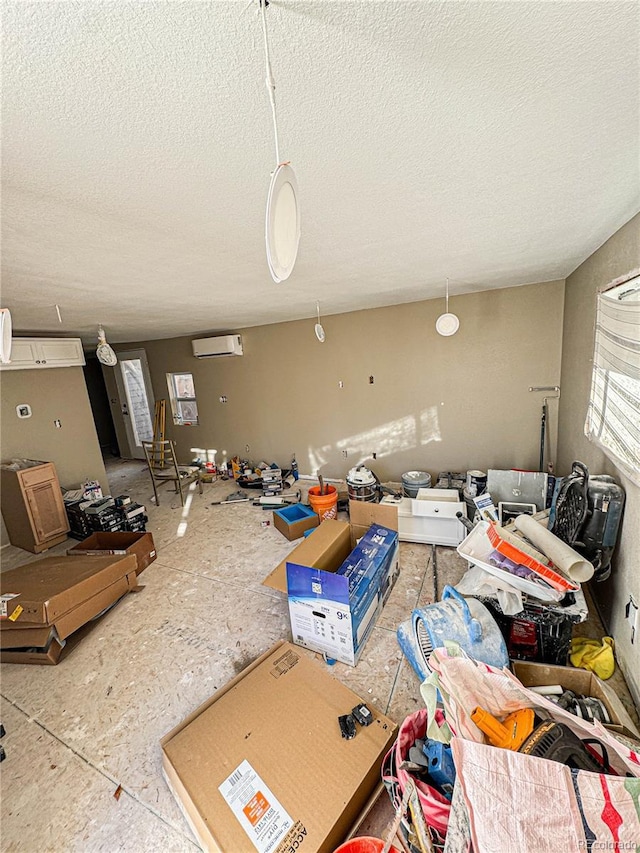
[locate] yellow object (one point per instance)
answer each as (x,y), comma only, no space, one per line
(16,613)
(511,733)
(595,655)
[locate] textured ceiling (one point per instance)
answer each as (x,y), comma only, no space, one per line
(493,143)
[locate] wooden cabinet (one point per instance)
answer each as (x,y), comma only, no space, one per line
(33,508)
(32,353)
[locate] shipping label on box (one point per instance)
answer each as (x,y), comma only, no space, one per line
(334,612)
(256,807)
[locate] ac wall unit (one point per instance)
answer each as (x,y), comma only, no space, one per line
(216,347)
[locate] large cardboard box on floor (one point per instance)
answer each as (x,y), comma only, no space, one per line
(120,542)
(46,602)
(262,764)
(43,591)
(334,614)
(579,681)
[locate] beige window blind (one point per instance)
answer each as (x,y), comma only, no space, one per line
(613,416)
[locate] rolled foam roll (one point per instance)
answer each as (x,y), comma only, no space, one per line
(562,555)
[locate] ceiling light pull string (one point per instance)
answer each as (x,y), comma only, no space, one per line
(447,299)
(270,82)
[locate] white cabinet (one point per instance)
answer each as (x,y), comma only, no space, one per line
(32,353)
(430,518)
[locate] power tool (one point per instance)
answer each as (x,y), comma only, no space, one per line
(522,732)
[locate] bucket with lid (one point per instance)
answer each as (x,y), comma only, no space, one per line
(414,480)
(476,483)
(362,484)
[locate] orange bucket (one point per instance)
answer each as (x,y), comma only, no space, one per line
(326,506)
(363,844)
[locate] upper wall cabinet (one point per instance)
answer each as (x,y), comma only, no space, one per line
(32,353)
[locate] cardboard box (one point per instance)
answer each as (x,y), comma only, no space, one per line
(101,544)
(333,541)
(333,612)
(579,681)
(24,634)
(292,521)
(262,764)
(327,616)
(45,590)
(53,650)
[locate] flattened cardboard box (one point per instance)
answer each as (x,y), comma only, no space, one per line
(579,681)
(262,765)
(42,591)
(120,542)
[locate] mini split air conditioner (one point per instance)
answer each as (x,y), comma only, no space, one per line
(217,347)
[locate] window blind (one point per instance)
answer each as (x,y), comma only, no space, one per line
(613,415)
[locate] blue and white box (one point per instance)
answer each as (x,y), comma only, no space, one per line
(334,612)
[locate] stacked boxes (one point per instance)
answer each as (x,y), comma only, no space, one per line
(271,481)
(106,514)
(45,604)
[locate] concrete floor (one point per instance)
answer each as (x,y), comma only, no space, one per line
(79,731)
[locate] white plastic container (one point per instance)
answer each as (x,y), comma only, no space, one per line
(477,549)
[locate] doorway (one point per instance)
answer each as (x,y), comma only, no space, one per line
(100,408)
(136,401)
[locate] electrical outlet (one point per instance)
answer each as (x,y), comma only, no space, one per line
(246,448)
(57,423)
(340,383)
(632,613)
(344,453)
(371,380)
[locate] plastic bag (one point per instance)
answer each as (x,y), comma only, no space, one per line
(435,807)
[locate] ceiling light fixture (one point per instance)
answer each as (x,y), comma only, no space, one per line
(282,221)
(5,336)
(447,324)
(105,353)
(320,335)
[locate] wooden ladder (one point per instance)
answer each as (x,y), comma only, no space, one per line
(159,420)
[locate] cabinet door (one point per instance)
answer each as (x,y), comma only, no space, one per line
(23,354)
(31,353)
(47,511)
(61,353)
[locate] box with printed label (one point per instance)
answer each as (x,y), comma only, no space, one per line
(334,611)
(262,765)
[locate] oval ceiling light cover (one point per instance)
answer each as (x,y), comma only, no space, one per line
(447,324)
(104,352)
(282,224)
(5,336)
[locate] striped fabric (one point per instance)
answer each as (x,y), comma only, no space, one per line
(613,416)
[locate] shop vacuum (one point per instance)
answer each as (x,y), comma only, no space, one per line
(586,512)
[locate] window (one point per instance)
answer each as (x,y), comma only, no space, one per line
(613,416)
(182,394)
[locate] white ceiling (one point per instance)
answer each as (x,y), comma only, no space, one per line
(495,143)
